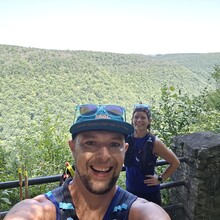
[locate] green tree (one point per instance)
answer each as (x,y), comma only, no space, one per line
(175,113)
(214,97)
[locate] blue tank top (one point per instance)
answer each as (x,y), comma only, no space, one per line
(134,175)
(118,208)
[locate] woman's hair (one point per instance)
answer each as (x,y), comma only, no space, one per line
(142,108)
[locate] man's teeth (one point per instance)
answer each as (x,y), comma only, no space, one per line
(101,169)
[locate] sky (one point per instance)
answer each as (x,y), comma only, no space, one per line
(118,26)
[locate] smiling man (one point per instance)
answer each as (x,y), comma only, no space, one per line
(98,148)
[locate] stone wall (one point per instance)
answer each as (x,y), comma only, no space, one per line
(200,196)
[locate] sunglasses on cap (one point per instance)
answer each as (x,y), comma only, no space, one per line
(91,117)
(88,110)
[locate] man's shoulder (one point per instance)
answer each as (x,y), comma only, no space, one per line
(37,208)
(142,209)
(41,199)
(43,202)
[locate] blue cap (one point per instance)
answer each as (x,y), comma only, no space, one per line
(101,120)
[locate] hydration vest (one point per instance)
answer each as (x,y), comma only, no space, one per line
(147,159)
(118,209)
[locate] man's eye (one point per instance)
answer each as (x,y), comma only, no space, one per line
(115,145)
(90,143)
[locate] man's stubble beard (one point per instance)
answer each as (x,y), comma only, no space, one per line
(87,182)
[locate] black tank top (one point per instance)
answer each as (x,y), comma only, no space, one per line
(118,208)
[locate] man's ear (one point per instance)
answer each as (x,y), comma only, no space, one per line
(126,146)
(71,145)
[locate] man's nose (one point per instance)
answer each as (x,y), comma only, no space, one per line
(104,152)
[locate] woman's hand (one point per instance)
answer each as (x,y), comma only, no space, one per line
(151,180)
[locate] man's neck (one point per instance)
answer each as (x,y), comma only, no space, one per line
(89,205)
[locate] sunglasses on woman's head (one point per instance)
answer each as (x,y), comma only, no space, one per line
(144,106)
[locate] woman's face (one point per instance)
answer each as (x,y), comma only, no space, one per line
(140,120)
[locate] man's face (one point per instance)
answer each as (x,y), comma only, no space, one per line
(99,156)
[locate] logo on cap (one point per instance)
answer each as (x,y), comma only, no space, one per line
(102,116)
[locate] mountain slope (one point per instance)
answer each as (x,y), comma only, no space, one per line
(35,79)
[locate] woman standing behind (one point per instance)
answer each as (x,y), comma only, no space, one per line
(140,160)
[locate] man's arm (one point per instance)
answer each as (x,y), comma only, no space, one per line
(38,208)
(144,210)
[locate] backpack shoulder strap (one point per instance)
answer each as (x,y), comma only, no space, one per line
(61,198)
(129,152)
(120,205)
(147,158)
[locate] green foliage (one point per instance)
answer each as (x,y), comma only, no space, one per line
(216,74)
(175,113)
(40,88)
(4,200)
(50,140)
(214,97)
(42,153)
(122,180)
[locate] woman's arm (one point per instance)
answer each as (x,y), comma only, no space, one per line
(167,154)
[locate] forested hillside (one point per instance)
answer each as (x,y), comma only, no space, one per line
(40,88)
(199,64)
(35,81)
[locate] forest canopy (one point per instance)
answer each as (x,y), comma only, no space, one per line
(40,89)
